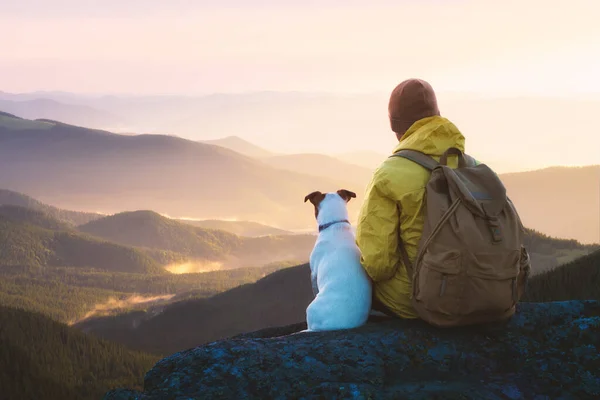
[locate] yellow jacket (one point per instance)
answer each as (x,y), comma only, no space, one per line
(399,184)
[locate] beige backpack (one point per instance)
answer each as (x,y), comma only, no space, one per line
(471,265)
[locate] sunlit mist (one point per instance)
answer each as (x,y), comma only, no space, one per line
(193,267)
(113,304)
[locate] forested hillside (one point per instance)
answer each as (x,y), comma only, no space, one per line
(43,359)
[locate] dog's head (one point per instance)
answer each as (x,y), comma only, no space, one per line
(317,197)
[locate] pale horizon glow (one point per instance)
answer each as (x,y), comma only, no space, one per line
(181,47)
(464,48)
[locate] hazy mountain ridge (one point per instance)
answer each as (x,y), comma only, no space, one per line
(366,159)
(112,173)
(20,214)
(124,172)
(76,114)
(149,229)
(548,252)
(241,146)
(569,187)
(27,244)
(49,266)
(164,240)
(559,201)
(341,123)
(322,165)
(240,228)
(8,115)
(8,197)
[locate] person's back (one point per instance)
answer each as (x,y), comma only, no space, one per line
(394,201)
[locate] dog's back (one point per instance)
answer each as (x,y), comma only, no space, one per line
(344,289)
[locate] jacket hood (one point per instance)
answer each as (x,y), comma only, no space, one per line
(432,136)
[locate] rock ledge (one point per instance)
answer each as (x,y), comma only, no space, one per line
(547,350)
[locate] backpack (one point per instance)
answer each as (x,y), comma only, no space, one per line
(471,266)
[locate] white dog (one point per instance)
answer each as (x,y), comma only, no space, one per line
(340,284)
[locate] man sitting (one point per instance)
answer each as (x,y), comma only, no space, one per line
(394,201)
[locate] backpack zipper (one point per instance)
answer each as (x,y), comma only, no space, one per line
(443,286)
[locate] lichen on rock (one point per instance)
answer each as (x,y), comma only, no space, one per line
(547,350)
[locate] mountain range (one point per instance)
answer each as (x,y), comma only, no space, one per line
(8,197)
(76,114)
(67,271)
(139,241)
(368,160)
(77,168)
(510,133)
(147,229)
(41,241)
(101,172)
(240,228)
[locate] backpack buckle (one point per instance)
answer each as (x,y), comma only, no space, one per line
(495,229)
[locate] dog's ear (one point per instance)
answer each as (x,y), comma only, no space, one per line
(315,198)
(346,194)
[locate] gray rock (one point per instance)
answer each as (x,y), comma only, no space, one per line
(546,351)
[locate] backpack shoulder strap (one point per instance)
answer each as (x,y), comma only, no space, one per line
(426,162)
(416,156)
(429,163)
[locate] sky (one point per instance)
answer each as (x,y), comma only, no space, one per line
(344,46)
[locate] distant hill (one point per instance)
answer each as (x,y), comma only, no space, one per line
(32,216)
(26,244)
(151,230)
(43,108)
(241,146)
(324,166)
(559,201)
(43,359)
(8,197)
(366,159)
(78,168)
(577,280)
(255,250)
(240,228)
(110,173)
(336,123)
(547,252)
(12,122)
